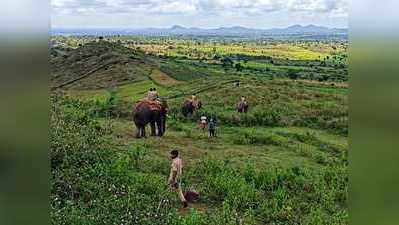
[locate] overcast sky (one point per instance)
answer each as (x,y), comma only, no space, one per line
(199,13)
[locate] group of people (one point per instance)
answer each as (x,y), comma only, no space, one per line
(211,125)
(176,167)
(203,123)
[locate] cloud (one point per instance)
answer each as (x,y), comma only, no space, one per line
(124,6)
(200,6)
(76,6)
(176,7)
(242,6)
(319,6)
(203,9)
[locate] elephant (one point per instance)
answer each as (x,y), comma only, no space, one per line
(189,107)
(153,113)
(242,107)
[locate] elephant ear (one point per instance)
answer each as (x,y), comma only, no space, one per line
(138,105)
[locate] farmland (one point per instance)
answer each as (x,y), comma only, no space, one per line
(284,162)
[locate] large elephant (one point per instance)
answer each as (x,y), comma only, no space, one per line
(242,107)
(190,106)
(153,113)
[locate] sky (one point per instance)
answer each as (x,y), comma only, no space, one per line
(198,13)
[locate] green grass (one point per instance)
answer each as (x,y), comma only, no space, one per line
(272,102)
(282,177)
(278,150)
(285,162)
(129,92)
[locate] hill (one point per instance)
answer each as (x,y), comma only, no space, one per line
(284,162)
(103,64)
(97,65)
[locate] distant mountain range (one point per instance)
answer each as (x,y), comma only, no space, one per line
(235,31)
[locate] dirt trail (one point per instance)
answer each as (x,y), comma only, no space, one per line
(199,207)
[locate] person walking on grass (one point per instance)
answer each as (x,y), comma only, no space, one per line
(174,181)
(203,122)
(212,128)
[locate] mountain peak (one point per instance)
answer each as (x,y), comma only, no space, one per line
(238,27)
(295,26)
(307,28)
(311,26)
(177,27)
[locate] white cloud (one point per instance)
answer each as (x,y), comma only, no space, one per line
(204,9)
(174,7)
(189,6)
(242,5)
(319,6)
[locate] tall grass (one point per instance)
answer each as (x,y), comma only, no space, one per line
(95,182)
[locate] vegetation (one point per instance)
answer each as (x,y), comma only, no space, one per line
(284,162)
(94,182)
(313,59)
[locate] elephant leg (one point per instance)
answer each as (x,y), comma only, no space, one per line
(160,128)
(138,132)
(153,130)
(143,133)
(163,126)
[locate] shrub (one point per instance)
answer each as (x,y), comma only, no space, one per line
(253,138)
(293,74)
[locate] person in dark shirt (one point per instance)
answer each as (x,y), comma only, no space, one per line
(212,128)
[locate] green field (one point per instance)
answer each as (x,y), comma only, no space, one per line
(285,162)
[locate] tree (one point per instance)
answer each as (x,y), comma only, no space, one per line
(227,62)
(216,57)
(239,67)
(322,78)
(293,74)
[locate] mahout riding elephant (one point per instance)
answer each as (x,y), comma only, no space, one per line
(153,113)
(242,107)
(190,106)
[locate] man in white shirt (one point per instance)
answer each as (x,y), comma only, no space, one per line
(176,170)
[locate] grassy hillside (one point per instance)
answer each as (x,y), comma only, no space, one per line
(272,102)
(98,65)
(257,175)
(285,162)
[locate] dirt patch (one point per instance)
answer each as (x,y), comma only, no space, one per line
(198,207)
(163,79)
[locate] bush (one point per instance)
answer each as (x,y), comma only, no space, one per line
(253,138)
(293,74)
